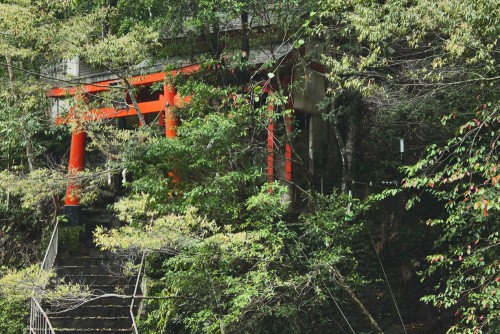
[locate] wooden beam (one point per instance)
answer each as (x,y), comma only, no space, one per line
(106,85)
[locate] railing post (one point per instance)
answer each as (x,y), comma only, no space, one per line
(31,314)
(39,321)
(57,238)
(137,283)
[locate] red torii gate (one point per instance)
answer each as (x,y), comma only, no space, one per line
(164,105)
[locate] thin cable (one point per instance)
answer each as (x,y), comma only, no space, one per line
(340,310)
(387,281)
(60,80)
(326,287)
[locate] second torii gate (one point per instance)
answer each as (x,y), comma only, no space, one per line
(164,105)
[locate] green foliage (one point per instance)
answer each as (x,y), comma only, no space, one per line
(20,285)
(13,316)
(424,60)
(35,188)
(164,234)
(241,261)
(374,43)
(28,27)
(463,175)
(219,277)
(70,237)
(218,154)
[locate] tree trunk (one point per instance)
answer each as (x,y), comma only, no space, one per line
(134,102)
(352,296)
(342,150)
(219,318)
(213,39)
(10,71)
(245,41)
(352,103)
(347,147)
(350,145)
(30,152)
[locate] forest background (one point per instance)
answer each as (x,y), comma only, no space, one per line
(419,253)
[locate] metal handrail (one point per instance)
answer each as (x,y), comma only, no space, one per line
(39,321)
(137,283)
(52,249)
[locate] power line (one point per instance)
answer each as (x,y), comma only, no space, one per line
(60,80)
(388,284)
(340,310)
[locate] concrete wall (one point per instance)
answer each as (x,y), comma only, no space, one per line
(310,90)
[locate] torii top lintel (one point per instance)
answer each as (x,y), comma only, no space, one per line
(102,86)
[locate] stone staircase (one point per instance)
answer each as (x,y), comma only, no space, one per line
(100,271)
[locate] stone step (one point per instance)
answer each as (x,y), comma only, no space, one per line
(87,310)
(120,322)
(92,331)
(98,216)
(127,290)
(97,279)
(123,289)
(104,301)
(91,252)
(98,269)
(71,260)
(90,308)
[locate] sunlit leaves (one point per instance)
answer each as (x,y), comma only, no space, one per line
(380,40)
(463,175)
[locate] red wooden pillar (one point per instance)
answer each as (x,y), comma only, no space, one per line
(288,148)
(76,163)
(161,118)
(171,121)
(270,144)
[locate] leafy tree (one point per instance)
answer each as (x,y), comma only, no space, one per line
(268,273)
(420,62)
(463,175)
(13,316)
(396,59)
(26,33)
(411,61)
(241,260)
